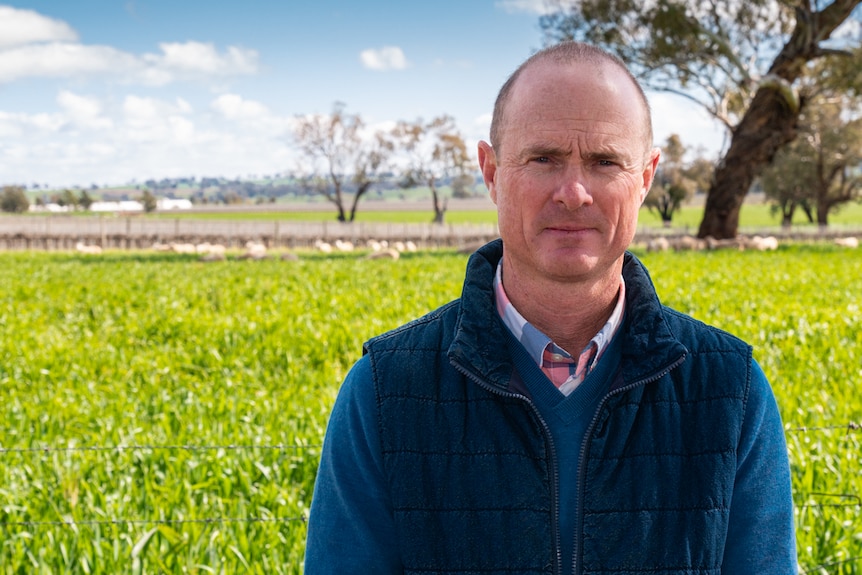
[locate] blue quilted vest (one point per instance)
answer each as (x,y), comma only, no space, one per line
(468,460)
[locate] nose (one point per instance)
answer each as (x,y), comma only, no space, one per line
(572,191)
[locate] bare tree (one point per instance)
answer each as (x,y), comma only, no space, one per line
(741,61)
(434,151)
(337,153)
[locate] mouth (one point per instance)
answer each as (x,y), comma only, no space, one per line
(568,229)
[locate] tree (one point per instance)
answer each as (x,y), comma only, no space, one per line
(66,198)
(786,188)
(434,151)
(463,186)
(671,185)
(149,201)
(85,201)
(13,199)
(337,151)
(741,61)
(822,168)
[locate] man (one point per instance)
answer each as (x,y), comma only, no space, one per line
(556,418)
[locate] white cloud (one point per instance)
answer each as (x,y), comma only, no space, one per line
(83,111)
(386,58)
(234,107)
(150,137)
(61,60)
(19,27)
(539,7)
(186,61)
(201,58)
(154,120)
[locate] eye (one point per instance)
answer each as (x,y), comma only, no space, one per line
(542,159)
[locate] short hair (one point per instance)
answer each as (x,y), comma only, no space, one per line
(564,53)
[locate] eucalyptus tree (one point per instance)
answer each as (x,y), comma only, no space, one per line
(340,157)
(822,169)
(432,151)
(743,61)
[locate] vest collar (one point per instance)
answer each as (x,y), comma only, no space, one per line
(479,347)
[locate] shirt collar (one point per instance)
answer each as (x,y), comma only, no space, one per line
(533,340)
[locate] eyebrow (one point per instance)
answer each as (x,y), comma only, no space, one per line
(544,150)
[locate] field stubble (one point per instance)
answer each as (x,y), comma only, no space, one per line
(164,415)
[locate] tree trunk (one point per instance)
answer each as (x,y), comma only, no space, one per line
(439,211)
(807,209)
(360,191)
(823,207)
(770,121)
(788,208)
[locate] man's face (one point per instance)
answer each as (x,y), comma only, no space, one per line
(573,169)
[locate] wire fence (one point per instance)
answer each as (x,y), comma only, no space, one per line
(813,500)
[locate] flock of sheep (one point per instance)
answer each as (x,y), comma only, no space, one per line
(758,243)
(386,250)
(257,251)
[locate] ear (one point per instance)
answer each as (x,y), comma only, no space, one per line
(488,165)
(649,172)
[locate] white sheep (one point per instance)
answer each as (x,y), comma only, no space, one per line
(323,246)
(763,244)
(254,250)
(343,246)
(208,248)
(183,248)
(688,243)
(85,249)
(374,245)
(385,254)
(659,244)
(410,246)
(848,242)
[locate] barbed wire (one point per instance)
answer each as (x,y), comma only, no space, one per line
(816,568)
(138,447)
(851,426)
(96,522)
(854,500)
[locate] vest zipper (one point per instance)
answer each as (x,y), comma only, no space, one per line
(555,512)
(579,520)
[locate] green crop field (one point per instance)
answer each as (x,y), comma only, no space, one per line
(162,415)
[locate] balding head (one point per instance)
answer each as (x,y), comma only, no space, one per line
(563,54)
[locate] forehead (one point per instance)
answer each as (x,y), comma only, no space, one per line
(583,100)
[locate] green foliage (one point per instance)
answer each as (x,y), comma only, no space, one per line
(14,199)
(166,351)
(676,179)
(149,201)
(820,170)
(801,309)
(185,359)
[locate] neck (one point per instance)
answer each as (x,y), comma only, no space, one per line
(570,313)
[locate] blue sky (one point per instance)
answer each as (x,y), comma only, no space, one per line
(110,91)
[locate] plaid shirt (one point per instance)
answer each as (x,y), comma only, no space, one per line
(564,371)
